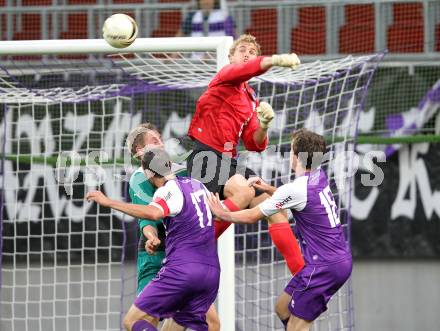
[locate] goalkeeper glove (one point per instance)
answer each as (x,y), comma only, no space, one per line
(265,114)
(286,60)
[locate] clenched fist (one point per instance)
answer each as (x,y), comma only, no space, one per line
(151,245)
(286,60)
(265,114)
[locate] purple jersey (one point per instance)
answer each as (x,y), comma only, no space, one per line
(317,219)
(188,222)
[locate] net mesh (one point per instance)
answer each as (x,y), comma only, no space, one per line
(410,31)
(67,264)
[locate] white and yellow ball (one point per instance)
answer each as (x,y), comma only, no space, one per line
(120,30)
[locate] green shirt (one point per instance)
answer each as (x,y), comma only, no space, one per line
(141,192)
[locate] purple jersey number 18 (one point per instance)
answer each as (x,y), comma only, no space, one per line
(330,206)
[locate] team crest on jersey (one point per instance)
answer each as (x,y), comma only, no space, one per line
(279,205)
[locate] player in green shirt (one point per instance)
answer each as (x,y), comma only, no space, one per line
(151,249)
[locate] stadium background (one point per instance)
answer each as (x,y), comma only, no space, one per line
(396,226)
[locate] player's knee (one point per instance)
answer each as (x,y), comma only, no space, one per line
(278,311)
(213,323)
(282,311)
(240,192)
(212,319)
(128,323)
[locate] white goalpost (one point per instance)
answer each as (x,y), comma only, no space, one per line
(67,106)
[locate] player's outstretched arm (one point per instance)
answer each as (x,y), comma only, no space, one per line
(139,211)
(246,216)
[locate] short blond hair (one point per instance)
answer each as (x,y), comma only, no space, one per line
(245,38)
(136,136)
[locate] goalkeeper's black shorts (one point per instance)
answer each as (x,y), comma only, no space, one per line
(214,169)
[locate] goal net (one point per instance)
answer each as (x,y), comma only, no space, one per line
(68,264)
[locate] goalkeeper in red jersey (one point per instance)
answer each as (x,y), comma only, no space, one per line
(227,112)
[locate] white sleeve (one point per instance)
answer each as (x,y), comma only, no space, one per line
(169,198)
(288,196)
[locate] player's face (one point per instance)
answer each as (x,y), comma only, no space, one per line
(293,160)
(152,139)
(243,53)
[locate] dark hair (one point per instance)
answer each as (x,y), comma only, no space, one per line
(136,136)
(310,144)
(157,161)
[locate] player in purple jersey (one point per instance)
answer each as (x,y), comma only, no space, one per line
(327,256)
(188,282)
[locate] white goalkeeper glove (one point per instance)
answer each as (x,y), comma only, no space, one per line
(265,114)
(286,60)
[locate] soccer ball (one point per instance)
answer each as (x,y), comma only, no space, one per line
(120,30)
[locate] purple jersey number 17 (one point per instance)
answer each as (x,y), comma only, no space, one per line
(329,204)
(198,198)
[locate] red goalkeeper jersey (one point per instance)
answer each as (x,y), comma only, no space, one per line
(226,110)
